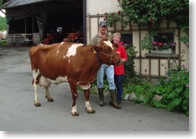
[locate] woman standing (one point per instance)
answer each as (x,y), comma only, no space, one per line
(119,70)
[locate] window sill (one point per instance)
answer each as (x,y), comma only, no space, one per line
(161,55)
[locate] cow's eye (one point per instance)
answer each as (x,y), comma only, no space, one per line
(108,50)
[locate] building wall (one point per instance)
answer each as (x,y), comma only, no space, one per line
(94,7)
(101,6)
(156,67)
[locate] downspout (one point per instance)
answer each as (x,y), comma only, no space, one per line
(84,22)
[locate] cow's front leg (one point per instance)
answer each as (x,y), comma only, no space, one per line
(87,103)
(74,93)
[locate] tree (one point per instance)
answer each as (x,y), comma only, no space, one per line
(1,1)
(2,23)
(151,13)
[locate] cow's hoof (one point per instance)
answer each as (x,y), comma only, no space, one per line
(90,111)
(50,99)
(75,114)
(37,104)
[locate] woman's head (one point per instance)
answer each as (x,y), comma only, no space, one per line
(116,37)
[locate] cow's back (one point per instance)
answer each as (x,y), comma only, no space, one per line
(47,60)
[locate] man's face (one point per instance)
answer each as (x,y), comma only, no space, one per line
(103,29)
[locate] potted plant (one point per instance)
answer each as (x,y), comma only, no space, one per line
(159,43)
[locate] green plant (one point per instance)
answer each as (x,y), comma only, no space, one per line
(150,13)
(146,43)
(2,23)
(1,1)
(3,42)
(175,90)
(156,41)
(172,92)
(129,64)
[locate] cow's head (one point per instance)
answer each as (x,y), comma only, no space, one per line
(106,53)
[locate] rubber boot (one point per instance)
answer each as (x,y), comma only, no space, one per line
(101,97)
(113,102)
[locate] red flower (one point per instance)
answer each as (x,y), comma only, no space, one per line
(154,43)
(119,12)
(151,19)
(160,43)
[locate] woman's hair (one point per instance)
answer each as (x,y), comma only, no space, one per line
(117,34)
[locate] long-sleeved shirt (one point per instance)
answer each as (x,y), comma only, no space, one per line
(119,70)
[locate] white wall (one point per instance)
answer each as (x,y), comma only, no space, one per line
(101,6)
(94,7)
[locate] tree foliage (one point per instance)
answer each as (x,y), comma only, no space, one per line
(152,12)
(1,1)
(2,23)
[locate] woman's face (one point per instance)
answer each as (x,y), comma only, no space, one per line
(116,39)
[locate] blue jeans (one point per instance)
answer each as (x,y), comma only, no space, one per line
(119,86)
(109,71)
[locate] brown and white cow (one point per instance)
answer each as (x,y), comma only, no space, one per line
(70,62)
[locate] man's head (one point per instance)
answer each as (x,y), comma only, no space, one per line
(102,24)
(102,28)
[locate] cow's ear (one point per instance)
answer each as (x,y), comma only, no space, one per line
(96,49)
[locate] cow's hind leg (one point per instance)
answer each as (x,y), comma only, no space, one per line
(87,103)
(74,93)
(36,75)
(48,96)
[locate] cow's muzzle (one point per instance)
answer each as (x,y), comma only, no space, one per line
(120,61)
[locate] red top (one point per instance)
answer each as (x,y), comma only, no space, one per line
(119,70)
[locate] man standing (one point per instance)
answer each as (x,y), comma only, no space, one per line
(105,69)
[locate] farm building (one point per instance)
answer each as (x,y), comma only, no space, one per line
(49,21)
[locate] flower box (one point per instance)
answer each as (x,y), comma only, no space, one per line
(164,51)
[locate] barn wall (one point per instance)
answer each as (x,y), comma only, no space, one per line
(147,66)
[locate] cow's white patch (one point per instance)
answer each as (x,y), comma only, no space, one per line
(72,49)
(58,47)
(60,80)
(46,81)
(109,44)
(88,106)
(85,87)
(35,74)
(74,109)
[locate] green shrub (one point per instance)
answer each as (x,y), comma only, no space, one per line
(173,91)
(3,42)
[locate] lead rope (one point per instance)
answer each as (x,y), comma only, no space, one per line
(110,56)
(99,61)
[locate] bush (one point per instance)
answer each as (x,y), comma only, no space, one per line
(2,23)
(3,42)
(172,92)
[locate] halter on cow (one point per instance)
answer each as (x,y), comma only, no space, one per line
(70,62)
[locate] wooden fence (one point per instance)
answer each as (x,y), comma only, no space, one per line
(147,64)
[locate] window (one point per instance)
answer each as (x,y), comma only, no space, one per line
(164,37)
